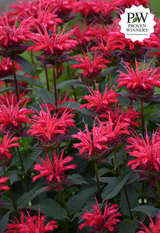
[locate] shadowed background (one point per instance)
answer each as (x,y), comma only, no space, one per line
(155,5)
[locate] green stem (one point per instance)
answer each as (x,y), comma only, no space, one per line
(119,171)
(15,81)
(142,116)
(55,89)
(99,190)
(64,204)
(23,169)
(47,80)
(110,78)
(158,187)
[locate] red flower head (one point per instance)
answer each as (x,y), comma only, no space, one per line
(147,153)
(92,70)
(63,8)
(6,68)
(13,116)
(154,228)
(98,102)
(101,223)
(129,3)
(45,17)
(48,129)
(12,39)
(28,224)
(98,10)
(93,144)
(54,174)
(54,47)
(5,145)
(26,7)
(61,110)
(140,84)
(84,35)
(2,181)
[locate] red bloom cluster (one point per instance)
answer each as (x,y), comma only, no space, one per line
(54,46)
(12,117)
(48,129)
(147,153)
(54,173)
(98,102)
(101,222)
(93,144)
(12,39)
(2,181)
(154,228)
(140,84)
(5,145)
(31,224)
(92,70)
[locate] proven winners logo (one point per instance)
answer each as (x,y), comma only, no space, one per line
(137,23)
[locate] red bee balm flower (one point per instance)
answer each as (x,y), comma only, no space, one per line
(13,116)
(99,102)
(2,181)
(12,39)
(54,47)
(48,129)
(5,145)
(6,68)
(28,224)
(154,228)
(93,144)
(92,70)
(56,179)
(101,223)
(140,84)
(147,153)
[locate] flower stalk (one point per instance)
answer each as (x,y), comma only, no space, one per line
(15,81)
(55,89)
(47,80)
(99,190)
(142,118)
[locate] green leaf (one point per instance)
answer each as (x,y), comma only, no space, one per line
(24,64)
(24,79)
(77,179)
(132,197)
(51,208)
(135,19)
(146,209)
(113,188)
(75,106)
(27,197)
(4,221)
(128,227)
(70,82)
(47,96)
(11,88)
(76,202)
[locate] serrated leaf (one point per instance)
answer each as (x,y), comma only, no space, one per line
(148,210)
(24,64)
(70,82)
(27,197)
(113,188)
(135,19)
(11,88)
(128,227)
(76,202)
(24,79)
(77,179)
(51,208)
(4,221)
